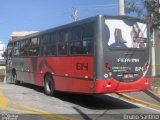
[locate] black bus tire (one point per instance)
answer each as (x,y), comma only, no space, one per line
(49,86)
(17,82)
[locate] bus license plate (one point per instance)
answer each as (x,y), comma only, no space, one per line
(128,75)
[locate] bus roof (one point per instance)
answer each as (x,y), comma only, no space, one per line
(79,22)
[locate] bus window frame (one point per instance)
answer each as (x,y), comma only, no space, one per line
(82,29)
(52,36)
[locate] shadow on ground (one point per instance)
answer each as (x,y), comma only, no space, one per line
(98,102)
(152,95)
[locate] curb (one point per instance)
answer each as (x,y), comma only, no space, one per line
(138,101)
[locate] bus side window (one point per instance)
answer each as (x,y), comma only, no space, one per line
(75,48)
(16,48)
(34,41)
(53,49)
(16,52)
(10,54)
(87,47)
(33,51)
(62,49)
(87,38)
(63,42)
(80,48)
(76,34)
(54,38)
(45,50)
(88,32)
(22,48)
(65,36)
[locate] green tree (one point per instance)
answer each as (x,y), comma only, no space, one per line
(147,9)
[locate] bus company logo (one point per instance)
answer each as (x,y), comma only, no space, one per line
(125,60)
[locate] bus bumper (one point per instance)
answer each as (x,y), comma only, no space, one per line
(114,86)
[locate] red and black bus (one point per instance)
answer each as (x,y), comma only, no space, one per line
(101,54)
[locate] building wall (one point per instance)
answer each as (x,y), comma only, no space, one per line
(18,34)
(2,49)
(2,61)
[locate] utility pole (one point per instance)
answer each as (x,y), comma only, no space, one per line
(153,48)
(153,55)
(121,7)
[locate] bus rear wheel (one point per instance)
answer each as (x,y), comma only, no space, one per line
(49,86)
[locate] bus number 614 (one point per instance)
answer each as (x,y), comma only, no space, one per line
(82,66)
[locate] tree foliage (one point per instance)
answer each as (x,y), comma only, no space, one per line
(147,9)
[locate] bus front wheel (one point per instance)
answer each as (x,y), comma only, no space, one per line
(15,79)
(49,86)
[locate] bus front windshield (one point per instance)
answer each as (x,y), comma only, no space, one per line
(125,34)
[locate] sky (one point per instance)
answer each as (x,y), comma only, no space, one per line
(29,15)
